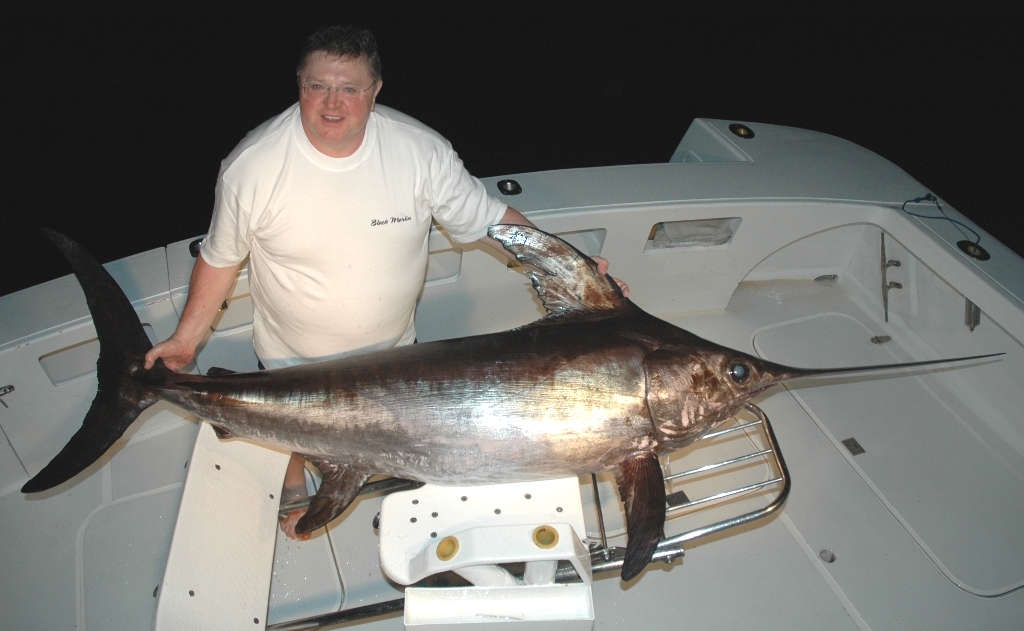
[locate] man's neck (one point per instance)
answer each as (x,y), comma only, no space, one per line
(335,150)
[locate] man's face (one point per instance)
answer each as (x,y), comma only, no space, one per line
(336,96)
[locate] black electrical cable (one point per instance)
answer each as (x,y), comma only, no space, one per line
(931,198)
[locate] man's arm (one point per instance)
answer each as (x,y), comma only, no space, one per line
(207,291)
(516,218)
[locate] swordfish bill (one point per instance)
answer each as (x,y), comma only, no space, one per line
(595,385)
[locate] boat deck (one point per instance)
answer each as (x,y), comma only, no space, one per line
(920,530)
(907,498)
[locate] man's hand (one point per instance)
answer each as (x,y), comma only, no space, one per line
(288,526)
(602,268)
(294,487)
(175,353)
(207,290)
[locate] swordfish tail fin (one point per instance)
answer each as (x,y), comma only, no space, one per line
(122,394)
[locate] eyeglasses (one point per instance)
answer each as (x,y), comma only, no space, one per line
(317,90)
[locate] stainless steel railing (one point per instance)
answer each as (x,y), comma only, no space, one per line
(605,558)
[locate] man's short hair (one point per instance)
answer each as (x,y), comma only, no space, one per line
(343,41)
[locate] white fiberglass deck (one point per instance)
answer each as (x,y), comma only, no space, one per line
(921,530)
(908,533)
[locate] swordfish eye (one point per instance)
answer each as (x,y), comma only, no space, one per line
(739,372)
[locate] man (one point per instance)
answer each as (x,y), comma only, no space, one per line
(332,202)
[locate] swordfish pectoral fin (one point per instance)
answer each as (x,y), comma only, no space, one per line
(222,433)
(566,280)
(340,485)
(214,371)
(642,488)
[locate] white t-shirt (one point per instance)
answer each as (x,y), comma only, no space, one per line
(338,246)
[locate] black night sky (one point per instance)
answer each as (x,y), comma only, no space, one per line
(115,118)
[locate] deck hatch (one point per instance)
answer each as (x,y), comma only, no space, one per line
(927,457)
(691,234)
(853,446)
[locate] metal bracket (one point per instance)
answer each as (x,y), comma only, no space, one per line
(5,390)
(670,548)
(972,314)
(886,285)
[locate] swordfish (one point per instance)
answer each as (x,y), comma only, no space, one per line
(595,385)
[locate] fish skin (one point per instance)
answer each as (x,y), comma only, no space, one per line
(596,385)
(517,406)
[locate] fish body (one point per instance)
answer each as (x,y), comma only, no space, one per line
(596,385)
(535,403)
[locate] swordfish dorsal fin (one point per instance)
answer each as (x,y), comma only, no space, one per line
(565,279)
(340,485)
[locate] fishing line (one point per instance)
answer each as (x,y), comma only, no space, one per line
(931,198)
